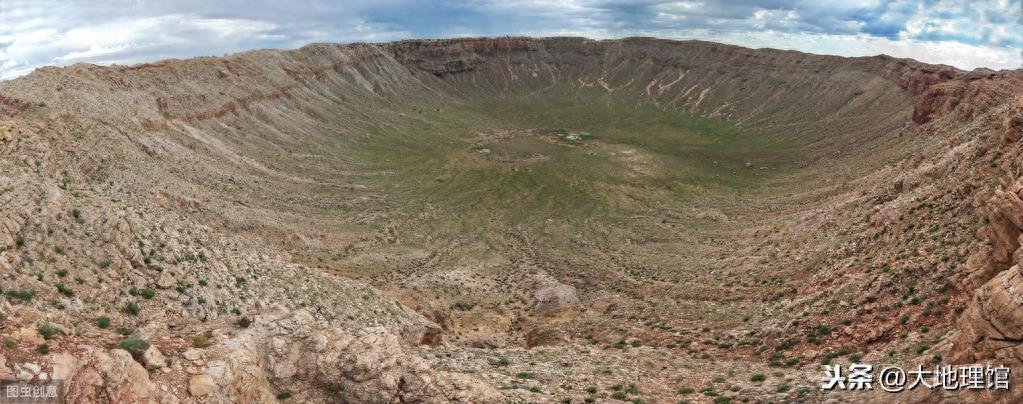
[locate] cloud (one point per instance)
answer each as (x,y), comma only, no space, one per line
(963,33)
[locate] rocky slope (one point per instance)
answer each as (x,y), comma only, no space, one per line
(179,224)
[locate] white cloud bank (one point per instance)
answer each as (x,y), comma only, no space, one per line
(965,34)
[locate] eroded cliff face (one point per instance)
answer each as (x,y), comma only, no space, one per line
(988,331)
(189,187)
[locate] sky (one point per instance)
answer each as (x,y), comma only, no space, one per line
(962,33)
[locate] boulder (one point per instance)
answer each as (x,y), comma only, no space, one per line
(64,366)
(153,359)
(545,336)
(201,385)
(105,376)
(28,335)
(554,298)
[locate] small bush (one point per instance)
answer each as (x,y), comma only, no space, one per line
(103,322)
(62,273)
(524,375)
(284,395)
(48,331)
(43,349)
(244,322)
(148,293)
(132,309)
(9,343)
(65,290)
(200,341)
(23,295)
(134,344)
(758,377)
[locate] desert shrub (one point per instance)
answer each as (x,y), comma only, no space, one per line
(200,341)
(65,290)
(134,344)
(23,295)
(132,309)
(48,331)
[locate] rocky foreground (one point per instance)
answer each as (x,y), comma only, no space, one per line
(146,218)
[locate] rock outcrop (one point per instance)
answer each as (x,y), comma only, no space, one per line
(105,376)
(318,363)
